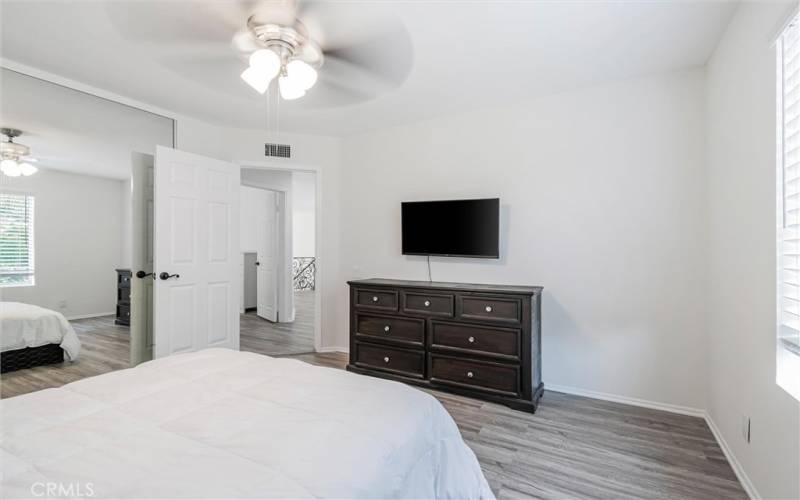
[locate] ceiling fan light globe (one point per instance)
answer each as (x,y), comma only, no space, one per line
(266,62)
(11,168)
(27,169)
(256,79)
(290,89)
(302,73)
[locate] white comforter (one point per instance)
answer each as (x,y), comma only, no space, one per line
(26,325)
(225,424)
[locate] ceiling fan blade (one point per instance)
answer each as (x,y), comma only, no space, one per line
(215,71)
(175,20)
(348,74)
(367,35)
(391,62)
(329,93)
(192,50)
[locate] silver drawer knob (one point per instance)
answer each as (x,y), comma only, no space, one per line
(386,328)
(386,359)
(374,298)
(470,375)
(488,309)
(471,340)
(427,303)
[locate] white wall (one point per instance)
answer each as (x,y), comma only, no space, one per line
(78,238)
(250,199)
(303,214)
(602,202)
(741,255)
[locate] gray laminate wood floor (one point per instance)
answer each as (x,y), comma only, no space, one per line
(573,447)
(277,339)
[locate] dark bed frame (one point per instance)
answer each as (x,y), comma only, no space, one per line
(31,356)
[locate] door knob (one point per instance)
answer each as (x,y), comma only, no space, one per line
(166,276)
(142,274)
(258,263)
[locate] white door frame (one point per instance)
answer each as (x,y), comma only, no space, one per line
(319,282)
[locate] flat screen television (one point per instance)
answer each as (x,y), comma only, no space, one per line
(452,228)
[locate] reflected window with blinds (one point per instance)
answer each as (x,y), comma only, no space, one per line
(789,186)
(16,240)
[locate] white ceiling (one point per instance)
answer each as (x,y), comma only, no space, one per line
(462,54)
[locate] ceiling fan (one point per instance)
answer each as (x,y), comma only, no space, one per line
(14,159)
(349,52)
(283,49)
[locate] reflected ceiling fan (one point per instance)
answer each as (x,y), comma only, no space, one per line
(349,52)
(14,159)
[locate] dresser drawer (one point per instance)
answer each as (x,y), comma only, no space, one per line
(124,312)
(405,362)
(487,340)
(392,328)
(428,304)
(124,295)
(507,310)
(491,377)
(376,299)
(124,280)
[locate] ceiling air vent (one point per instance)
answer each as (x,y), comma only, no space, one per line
(278,150)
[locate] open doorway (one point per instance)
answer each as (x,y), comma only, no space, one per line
(278,261)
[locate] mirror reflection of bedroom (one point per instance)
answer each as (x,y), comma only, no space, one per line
(75,194)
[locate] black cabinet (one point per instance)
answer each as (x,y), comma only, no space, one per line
(123,297)
(482,341)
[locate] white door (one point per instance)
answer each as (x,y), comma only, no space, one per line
(141,258)
(196,243)
(266,236)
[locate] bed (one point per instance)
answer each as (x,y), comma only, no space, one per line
(219,423)
(32,336)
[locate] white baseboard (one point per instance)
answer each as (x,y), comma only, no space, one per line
(653,405)
(345,350)
(748,485)
(87,316)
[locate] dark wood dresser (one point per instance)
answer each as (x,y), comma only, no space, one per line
(482,341)
(123,297)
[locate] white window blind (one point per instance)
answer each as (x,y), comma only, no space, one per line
(16,240)
(789,197)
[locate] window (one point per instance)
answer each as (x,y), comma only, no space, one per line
(16,240)
(788,348)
